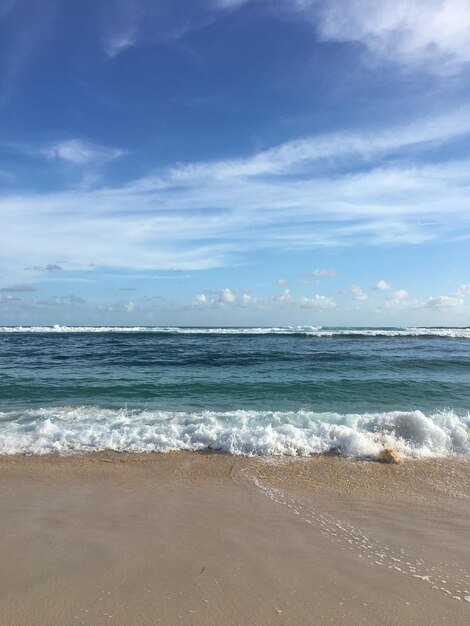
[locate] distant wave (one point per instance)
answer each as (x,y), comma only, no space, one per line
(309,331)
(68,430)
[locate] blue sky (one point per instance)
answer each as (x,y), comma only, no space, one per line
(235,162)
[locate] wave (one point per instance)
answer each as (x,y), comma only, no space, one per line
(68,430)
(309,331)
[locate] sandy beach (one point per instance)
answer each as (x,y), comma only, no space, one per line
(191,538)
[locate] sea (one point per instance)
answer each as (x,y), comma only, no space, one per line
(246,391)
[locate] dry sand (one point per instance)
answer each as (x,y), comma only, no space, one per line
(191,538)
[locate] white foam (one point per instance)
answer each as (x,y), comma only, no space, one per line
(311,331)
(264,433)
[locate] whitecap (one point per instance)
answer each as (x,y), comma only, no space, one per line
(263,433)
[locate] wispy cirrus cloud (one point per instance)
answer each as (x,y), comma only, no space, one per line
(293,156)
(209,214)
(75,152)
(323,273)
(430,35)
(130,23)
(80,152)
(116,42)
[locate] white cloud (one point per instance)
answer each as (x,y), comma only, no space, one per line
(8,298)
(463,290)
(433,35)
(322,273)
(222,299)
(285,298)
(443,302)
(117,42)
(358,294)
(227,298)
(381,285)
(282,282)
(79,152)
(399,295)
(204,215)
(397,300)
(317,302)
(295,156)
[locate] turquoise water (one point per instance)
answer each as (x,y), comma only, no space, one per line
(250,391)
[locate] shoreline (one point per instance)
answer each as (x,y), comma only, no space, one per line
(198,538)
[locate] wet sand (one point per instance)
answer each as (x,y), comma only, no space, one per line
(190,538)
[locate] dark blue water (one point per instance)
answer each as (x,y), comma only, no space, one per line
(227,372)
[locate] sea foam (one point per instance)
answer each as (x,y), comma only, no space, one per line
(68,430)
(308,331)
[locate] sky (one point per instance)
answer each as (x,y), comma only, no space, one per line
(235,162)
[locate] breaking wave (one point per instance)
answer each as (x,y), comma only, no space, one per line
(68,430)
(311,331)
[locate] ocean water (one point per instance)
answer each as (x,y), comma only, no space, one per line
(258,391)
